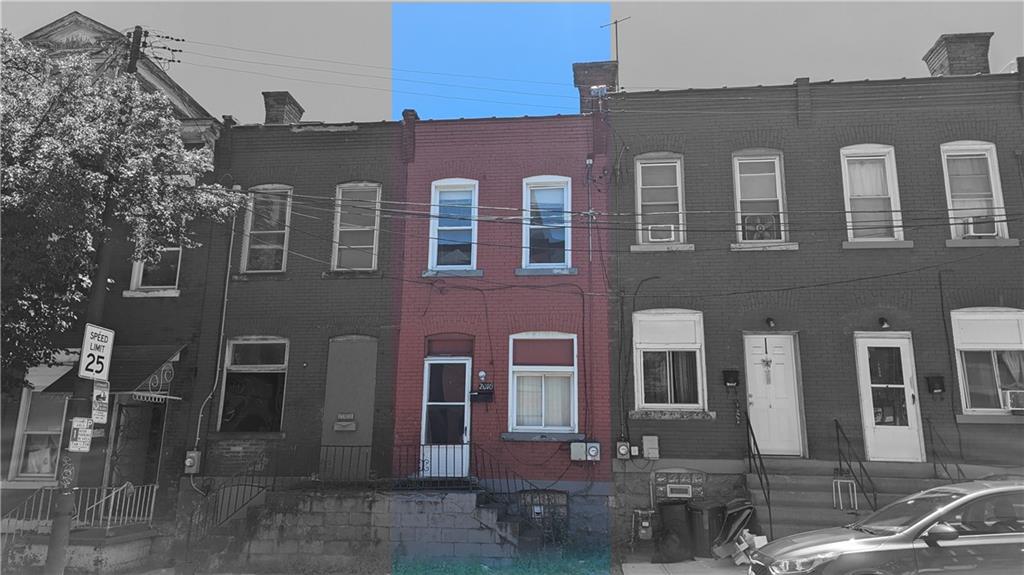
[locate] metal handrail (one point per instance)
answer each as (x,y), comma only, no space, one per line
(938,447)
(864,479)
(755,463)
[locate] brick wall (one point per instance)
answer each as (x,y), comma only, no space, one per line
(914,116)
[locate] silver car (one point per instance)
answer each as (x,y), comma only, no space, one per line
(975,527)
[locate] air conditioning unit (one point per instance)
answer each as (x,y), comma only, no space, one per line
(1013,399)
(980,226)
(761,227)
(660,233)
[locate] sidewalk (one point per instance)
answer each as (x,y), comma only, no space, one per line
(699,566)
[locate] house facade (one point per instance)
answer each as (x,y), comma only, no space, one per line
(830,262)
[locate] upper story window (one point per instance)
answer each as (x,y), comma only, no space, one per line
(989,346)
(453,224)
(547,231)
(543,382)
(254,378)
(157,279)
(871,193)
(668,359)
(973,190)
(267,223)
(659,198)
(356,226)
(760,199)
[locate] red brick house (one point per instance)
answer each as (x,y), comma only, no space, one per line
(502,356)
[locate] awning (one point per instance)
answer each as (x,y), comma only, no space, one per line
(147,369)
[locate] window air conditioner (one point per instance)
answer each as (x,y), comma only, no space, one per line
(980,226)
(1013,399)
(661,233)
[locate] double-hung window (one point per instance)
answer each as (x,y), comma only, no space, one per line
(989,346)
(356,225)
(453,224)
(254,381)
(160,277)
(668,359)
(267,223)
(871,193)
(543,382)
(41,422)
(547,231)
(973,190)
(760,200)
(659,198)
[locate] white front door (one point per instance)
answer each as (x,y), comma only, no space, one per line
(772,400)
(888,397)
(444,442)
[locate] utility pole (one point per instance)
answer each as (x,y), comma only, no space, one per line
(79,405)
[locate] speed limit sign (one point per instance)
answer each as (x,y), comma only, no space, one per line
(97,345)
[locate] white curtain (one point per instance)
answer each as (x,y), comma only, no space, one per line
(529,400)
(557,401)
(1014,362)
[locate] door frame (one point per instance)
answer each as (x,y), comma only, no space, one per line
(910,385)
(467,427)
(797,373)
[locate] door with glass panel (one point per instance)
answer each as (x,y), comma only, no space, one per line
(444,443)
(888,397)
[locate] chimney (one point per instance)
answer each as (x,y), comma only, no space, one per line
(281,108)
(587,75)
(409,119)
(959,54)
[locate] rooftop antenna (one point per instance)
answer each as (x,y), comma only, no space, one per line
(615,24)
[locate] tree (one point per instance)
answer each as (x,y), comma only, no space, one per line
(87,156)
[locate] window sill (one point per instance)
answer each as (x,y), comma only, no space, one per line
(546,271)
(251,276)
(672,414)
(661,247)
(349,274)
(453,274)
(879,244)
(999,419)
(562,437)
(151,293)
(767,247)
(29,483)
(983,243)
(228,435)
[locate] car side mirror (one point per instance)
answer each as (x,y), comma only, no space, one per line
(940,532)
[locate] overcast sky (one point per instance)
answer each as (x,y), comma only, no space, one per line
(456,52)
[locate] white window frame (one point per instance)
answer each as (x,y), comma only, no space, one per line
(972,147)
(548,182)
(669,315)
(662,158)
(139,290)
(249,368)
(20,435)
(514,371)
(267,189)
(780,193)
(452,185)
(982,314)
(873,151)
(336,245)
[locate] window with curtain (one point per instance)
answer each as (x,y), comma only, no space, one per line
(871,193)
(659,200)
(973,190)
(543,381)
(668,359)
(266,229)
(759,197)
(989,346)
(36,451)
(355,226)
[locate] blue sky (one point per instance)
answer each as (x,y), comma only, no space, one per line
(535,44)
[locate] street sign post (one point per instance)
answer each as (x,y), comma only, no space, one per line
(97,345)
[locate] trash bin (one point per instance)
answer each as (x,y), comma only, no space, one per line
(705,522)
(675,539)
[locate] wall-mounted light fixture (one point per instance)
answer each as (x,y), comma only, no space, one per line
(770,321)
(482,375)
(883,323)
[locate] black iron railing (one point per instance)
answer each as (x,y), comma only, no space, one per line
(846,456)
(940,452)
(755,464)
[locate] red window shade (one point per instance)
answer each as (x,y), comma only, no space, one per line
(454,344)
(542,352)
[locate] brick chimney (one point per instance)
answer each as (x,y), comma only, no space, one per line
(281,108)
(409,120)
(589,74)
(959,54)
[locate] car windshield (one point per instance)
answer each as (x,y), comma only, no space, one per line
(897,516)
